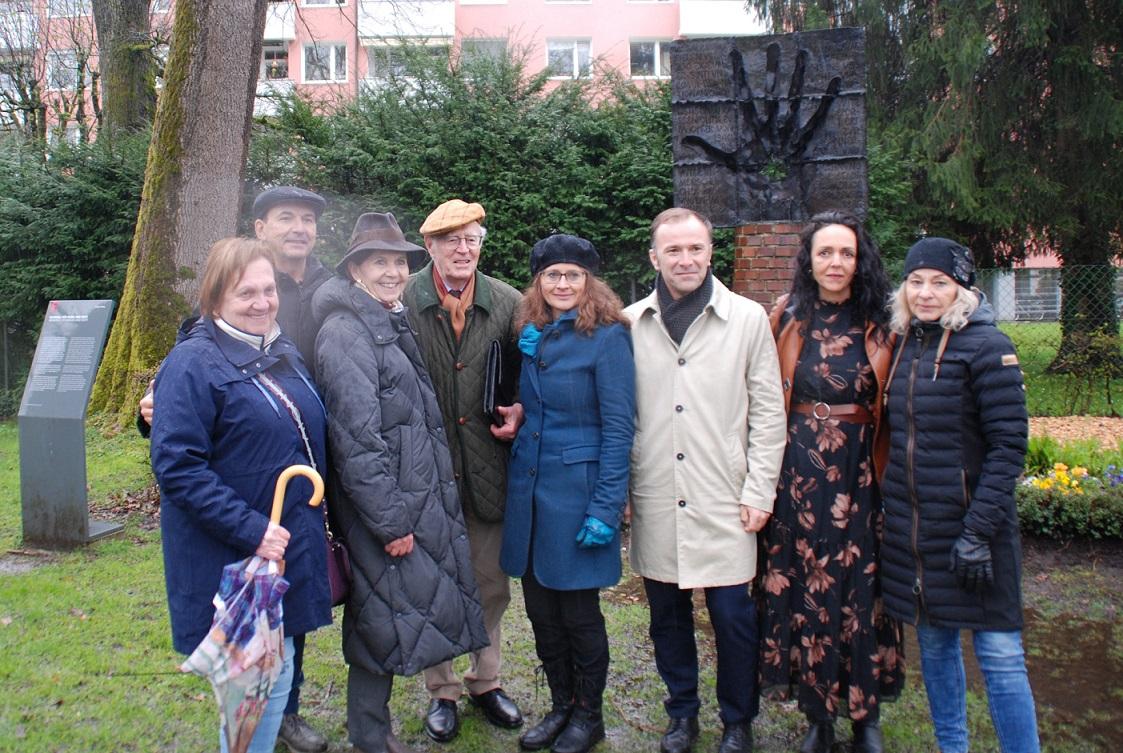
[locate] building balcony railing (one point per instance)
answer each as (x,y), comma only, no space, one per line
(427,19)
(19,29)
(716,18)
(268,91)
(281,22)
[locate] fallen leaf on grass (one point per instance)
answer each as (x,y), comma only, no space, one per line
(76,612)
(5,621)
(1041,577)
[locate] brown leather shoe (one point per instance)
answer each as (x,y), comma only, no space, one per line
(394,745)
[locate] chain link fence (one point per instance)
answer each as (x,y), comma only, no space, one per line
(1065,325)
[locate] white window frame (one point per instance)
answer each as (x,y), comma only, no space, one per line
(70,9)
(160,6)
(275,45)
(574,43)
(659,74)
(333,63)
(67,61)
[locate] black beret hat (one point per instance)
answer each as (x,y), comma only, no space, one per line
(563,249)
(266,200)
(943,255)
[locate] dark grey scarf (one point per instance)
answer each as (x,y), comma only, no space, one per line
(679,315)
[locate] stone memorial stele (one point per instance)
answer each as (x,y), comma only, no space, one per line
(770,128)
(52,426)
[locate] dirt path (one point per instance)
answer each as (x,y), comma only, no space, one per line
(1067,428)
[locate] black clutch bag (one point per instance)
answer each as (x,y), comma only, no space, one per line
(493,383)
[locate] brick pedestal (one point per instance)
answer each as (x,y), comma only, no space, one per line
(763,260)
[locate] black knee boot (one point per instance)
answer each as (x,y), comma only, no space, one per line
(820,736)
(586,724)
(867,735)
(559,676)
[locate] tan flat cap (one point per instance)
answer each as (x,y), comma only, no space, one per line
(451,215)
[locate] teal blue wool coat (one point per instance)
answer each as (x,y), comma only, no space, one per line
(570,458)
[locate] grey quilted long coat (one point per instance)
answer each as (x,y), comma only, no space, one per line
(392,476)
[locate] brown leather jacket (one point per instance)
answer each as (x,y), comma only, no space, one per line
(789,344)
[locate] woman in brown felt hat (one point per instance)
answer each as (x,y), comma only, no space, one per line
(414,601)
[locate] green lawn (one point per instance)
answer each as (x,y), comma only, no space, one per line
(86,663)
(1056,394)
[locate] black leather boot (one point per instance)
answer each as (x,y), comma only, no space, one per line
(559,676)
(585,729)
(867,736)
(820,737)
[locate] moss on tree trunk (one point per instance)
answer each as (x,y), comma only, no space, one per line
(192,187)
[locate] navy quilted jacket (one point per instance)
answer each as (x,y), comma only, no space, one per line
(957,447)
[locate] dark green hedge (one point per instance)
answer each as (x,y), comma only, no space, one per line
(1095,514)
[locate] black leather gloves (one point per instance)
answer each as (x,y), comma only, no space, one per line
(971,562)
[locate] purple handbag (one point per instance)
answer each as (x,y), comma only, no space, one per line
(339,569)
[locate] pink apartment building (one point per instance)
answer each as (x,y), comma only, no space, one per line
(331,48)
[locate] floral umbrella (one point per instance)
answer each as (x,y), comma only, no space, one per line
(242,653)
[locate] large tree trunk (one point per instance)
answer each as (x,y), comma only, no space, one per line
(125,65)
(192,186)
(1089,321)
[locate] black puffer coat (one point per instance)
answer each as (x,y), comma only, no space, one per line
(392,476)
(957,447)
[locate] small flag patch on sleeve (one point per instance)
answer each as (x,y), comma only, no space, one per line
(1009,359)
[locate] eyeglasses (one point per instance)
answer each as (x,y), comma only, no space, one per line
(453,241)
(572,277)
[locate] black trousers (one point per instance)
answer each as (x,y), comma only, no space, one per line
(570,639)
(368,709)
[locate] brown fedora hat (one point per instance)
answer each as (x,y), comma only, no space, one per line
(375,231)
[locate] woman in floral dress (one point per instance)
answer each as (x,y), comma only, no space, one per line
(824,638)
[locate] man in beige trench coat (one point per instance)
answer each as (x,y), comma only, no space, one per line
(710,432)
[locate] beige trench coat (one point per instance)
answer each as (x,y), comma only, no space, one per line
(710,434)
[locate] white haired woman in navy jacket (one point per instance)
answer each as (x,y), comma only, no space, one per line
(951,554)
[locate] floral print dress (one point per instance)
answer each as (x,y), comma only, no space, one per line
(824,638)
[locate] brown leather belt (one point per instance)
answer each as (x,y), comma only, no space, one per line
(849,412)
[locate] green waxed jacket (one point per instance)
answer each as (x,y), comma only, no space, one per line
(458,371)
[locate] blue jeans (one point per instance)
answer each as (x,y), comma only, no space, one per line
(733,616)
(265,736)
(1004,668)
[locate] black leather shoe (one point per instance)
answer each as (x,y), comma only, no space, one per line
(680,735)
(867,737)
(543,734)
(499,709)
(585,729)
(442,721)
(737,738)
(819,738)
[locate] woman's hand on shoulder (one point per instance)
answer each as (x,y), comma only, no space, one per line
(400,547)
(273,543)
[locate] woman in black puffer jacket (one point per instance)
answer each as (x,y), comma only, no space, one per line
(414,601)
(951,555)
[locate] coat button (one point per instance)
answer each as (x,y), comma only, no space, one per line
(541,364)
(535,435)
(680,456)
(533,472)
(460,366)
(682,362)
(462,420)
(393,567)
(244,371)
(257,365)
(678,409)
(682,503)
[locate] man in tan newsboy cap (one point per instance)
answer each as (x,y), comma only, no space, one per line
(458,312)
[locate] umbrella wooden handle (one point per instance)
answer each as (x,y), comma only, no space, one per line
(283,481)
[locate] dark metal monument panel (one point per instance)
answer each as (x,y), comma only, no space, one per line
(52,433)
(770,128)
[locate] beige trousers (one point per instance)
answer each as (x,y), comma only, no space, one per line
(485,540)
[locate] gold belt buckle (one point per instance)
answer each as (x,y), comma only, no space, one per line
(815,411)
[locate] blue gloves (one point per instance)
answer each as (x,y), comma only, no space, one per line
(594,533)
